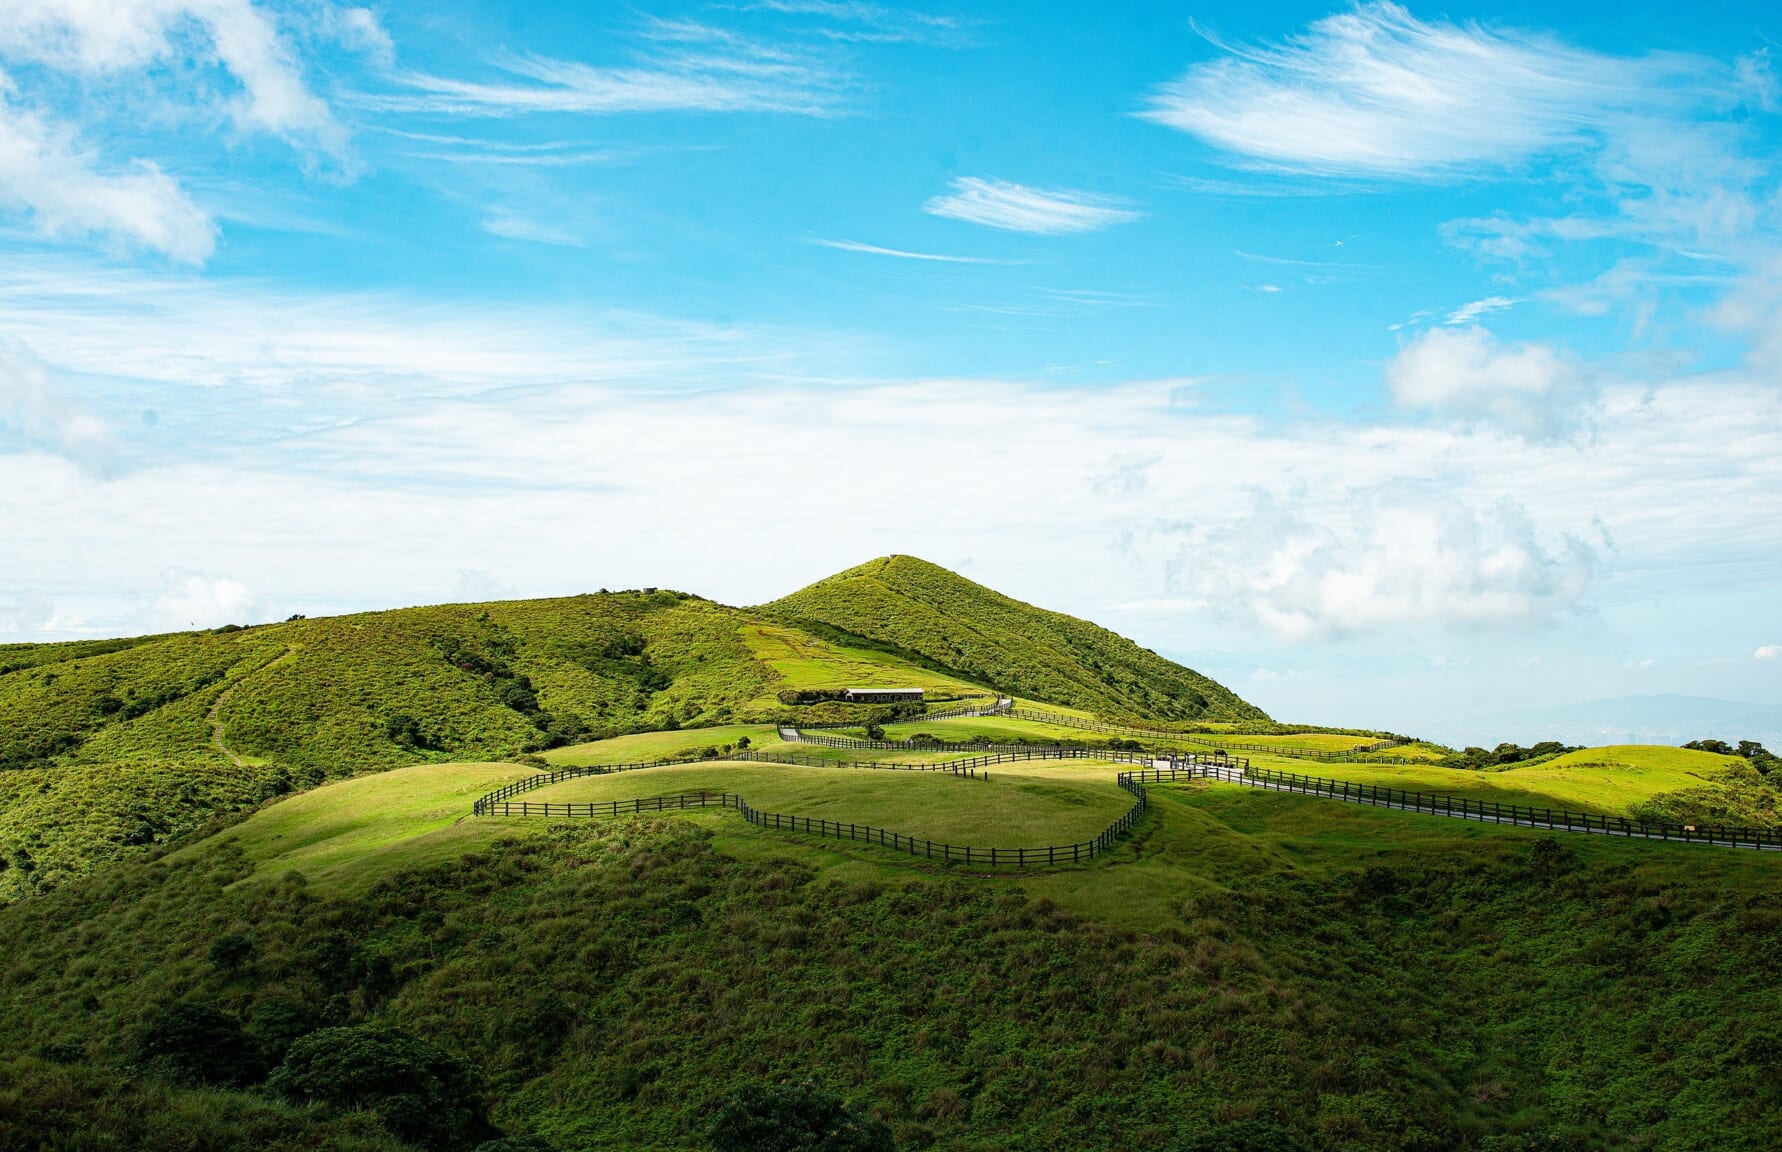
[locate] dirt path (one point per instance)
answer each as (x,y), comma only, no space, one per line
(216,725)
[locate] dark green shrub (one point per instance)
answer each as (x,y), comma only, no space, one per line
(1245,1136)
(793,1119)
(196,1044)
(229,952)
(423,1094)
(517,1144)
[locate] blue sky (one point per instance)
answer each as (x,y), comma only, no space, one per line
(1392,364)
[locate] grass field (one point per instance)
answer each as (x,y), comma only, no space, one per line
(804,661)
(1001,728)
(1608,780)
(643,746)
(1012,809)
(1199,838)
(346,836)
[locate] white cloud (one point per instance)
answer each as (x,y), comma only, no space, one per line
(359,30)
(356,450)
(1467,313)
(124,36)
(35,410)
(854,21)
(45,172)
(1376,92)
(1465,373)
(193,600)
(519,226)
(739,79)
(1388,559)
(1768,652)
(902,254)
(477,584)
(27,615)
(1018,208)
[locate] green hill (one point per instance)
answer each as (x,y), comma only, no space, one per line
(108,747)
(934,616)
(1247,963)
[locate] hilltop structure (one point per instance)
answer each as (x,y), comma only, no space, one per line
(882,695)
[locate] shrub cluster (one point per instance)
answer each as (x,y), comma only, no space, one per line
(1507,754)
(1761,758)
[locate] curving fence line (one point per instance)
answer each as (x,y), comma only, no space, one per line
(1232,770)
(1494,812)
(1210,740)
(500,803)
(795,734)
(1000,708)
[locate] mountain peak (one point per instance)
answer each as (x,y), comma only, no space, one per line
(926,612)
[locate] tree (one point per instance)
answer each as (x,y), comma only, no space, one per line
(196,1044)
(793,1118)
(423,1094)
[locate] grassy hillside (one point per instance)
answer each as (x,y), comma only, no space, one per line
(917,608)
(1361,978)
(1667,785)
(111,747)
(107,747)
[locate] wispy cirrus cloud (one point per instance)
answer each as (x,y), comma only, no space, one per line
(853,22)
(1467,313)
(903,254)
(717,74)
(1375,92)
(1020,208)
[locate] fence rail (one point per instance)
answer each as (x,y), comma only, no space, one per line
(1209,739)
(1496,812)
(795,734)
(1152,770)
(499,803)
(1002,705)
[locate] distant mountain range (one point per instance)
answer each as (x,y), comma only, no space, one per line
(1666,719)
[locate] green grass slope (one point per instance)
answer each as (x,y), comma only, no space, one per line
(1366,979)
(1653,782)
(938,616)
(107,747)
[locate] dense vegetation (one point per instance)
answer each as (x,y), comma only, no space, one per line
(612,985)
(1506,755)
(925,612)
(109,746)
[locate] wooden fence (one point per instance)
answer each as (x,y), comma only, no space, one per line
(499,803)
(793,734)
(1233,770)
(1466,808)
(1209,739)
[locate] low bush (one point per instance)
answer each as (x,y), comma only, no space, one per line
(189,1043)
(793,1118)
(423,1094)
